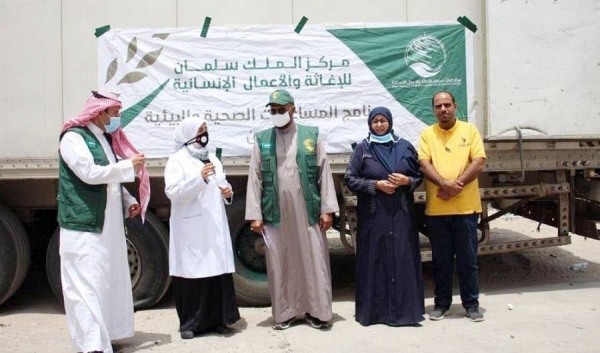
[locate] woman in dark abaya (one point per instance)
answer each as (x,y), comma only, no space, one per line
(384,171)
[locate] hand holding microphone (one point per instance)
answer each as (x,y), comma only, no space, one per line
(208,171)
(208,174)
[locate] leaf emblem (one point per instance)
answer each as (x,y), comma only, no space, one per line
(132,77)
(112,70)
(149,58)
(132,112)
(131,49)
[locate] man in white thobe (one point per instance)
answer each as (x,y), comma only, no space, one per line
(91,204)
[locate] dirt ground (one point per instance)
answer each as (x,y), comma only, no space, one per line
(534,301)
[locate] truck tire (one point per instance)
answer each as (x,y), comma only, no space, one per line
(53,265)
(149,267)
(147,252)
(250,277)
(14,253)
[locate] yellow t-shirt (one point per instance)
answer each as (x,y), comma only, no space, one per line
(450,152)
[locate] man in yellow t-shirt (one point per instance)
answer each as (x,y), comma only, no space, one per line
(451,156)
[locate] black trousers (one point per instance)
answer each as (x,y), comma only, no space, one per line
(205,303)
(450,235)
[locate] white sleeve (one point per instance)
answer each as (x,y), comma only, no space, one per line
(128,201)
(221,178)
(254,187)
(177,187)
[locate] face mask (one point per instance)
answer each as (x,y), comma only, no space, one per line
(280,120)
(198,153)
(115,123)
(201,140)
(380,139)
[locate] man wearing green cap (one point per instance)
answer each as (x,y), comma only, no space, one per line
(290,199)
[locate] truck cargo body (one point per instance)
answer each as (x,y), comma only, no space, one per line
(534,100)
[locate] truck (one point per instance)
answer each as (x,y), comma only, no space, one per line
(526,72)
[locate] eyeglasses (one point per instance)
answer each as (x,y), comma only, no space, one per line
(281,110)
(379,121)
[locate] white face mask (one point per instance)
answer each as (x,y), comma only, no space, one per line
(280,120)
(197,151)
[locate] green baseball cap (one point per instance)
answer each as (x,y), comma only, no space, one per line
(281,97)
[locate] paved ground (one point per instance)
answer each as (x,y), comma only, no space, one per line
(533,302)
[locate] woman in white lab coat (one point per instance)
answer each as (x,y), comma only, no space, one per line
(200,253)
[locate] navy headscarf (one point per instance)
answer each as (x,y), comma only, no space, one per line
(380,111)
(383,151)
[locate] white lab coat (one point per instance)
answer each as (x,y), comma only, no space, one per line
(94,268)
(200,242)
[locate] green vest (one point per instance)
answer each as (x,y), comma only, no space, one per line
(308,166)
(81,206)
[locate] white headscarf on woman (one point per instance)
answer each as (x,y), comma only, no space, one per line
(186,131)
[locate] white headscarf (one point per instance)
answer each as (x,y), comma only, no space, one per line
(186,130)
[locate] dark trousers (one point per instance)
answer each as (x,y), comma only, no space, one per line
(205,303)
(449,236)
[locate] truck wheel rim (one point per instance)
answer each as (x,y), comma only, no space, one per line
(135,263)
(249,250)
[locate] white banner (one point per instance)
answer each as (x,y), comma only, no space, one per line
(166,75)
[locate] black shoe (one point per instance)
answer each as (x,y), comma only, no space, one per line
(223,330)
(284,325)
(474,315)
(315,323)
(186,335)
(439,313)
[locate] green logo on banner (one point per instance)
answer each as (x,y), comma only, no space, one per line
(413,63)
(425,55)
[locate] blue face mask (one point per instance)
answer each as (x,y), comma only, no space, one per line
(380,139)
(115,123)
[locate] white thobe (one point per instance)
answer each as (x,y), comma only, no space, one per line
(200,242)
(94,268)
